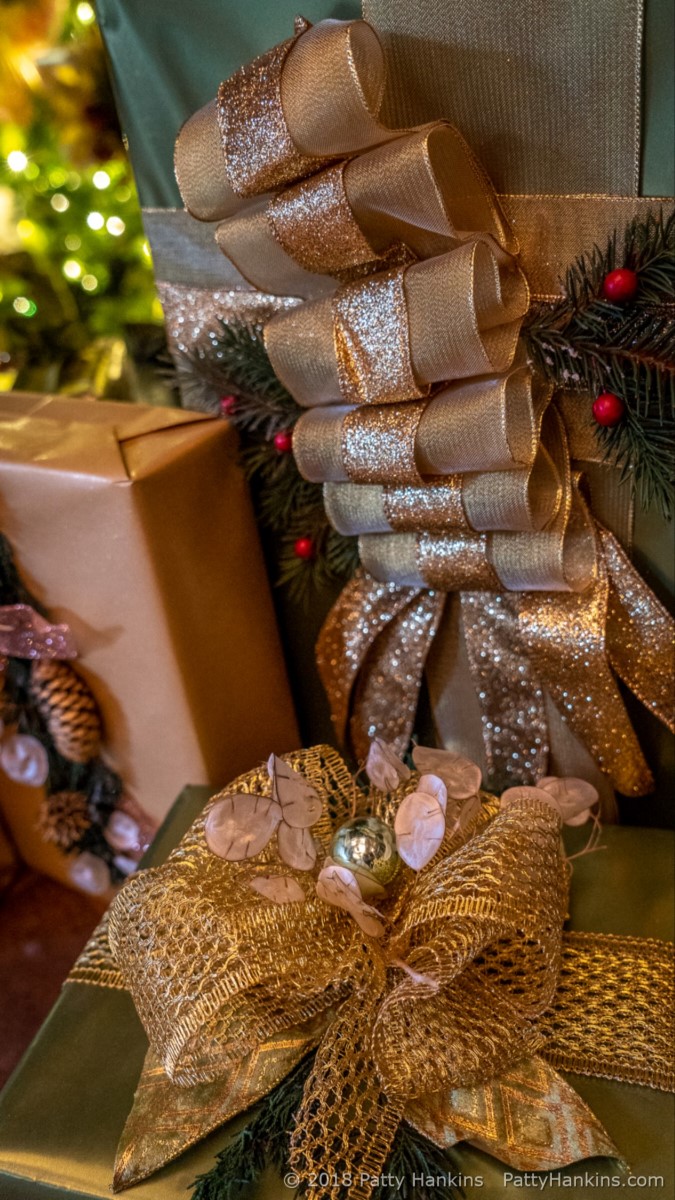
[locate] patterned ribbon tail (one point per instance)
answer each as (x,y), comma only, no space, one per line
(24,633)
(371,654)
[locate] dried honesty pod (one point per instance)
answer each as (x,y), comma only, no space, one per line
(420,822)
(571,798)
(338,886)
(241,825)
(574,797)
(280,889)
(461,777)
(384,768)
(365,852)
(25,759)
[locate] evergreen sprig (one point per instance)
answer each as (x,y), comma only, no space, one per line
(236,363)
(585,343)
(101,785)
(265,1142)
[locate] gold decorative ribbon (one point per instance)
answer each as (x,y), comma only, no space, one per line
(233,989)
(388,338)
(487,424)
(520,646)
(367,358)
(333,70)
(363,215)
(505,500)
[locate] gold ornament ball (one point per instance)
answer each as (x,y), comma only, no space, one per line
(367,846)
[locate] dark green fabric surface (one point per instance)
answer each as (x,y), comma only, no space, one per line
(63,1110)
(167,59)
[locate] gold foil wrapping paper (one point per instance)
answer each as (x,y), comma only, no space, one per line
(473,1060)
(89,490)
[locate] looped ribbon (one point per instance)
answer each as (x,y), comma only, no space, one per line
(24,633)
(437,443)
(472,986)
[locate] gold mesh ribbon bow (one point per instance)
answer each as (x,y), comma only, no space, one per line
(471,995)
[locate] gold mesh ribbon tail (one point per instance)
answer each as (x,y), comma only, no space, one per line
(612,1015)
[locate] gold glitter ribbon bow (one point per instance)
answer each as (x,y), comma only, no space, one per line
(524,649)
(437,443)
(472,992)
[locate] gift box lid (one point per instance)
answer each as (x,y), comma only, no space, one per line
(62,1112)
(133,524)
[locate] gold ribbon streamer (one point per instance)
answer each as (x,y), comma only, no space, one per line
(206,958)
(523,644)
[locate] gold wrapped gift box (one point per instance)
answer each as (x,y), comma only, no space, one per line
(133,525)
(63,1112)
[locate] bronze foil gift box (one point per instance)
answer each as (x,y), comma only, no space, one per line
(133,525)
(64,1113)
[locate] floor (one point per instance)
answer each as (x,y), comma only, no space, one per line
(43,927)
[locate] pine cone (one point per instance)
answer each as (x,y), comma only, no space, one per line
(68,709)
(64,818)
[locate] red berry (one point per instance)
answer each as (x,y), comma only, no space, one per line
(227,405)
(304,548)
(620,285)
(283,442)
(608,409)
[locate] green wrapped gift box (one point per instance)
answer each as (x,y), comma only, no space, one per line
(63,1111)
(160,81)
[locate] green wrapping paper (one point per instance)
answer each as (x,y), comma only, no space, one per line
(160,82)
(62,1113)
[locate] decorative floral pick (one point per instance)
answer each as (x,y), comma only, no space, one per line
(444,798)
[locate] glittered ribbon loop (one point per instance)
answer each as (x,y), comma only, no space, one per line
(412,198)
(491,424)
(505,500)
(275,120)
(24,633)
(383,445)
(390,337)
(371,332)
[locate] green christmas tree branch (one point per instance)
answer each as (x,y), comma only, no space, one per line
(585,343)
(265,1142)
(290,507)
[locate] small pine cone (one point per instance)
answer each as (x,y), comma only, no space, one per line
(68,709)
(64,818)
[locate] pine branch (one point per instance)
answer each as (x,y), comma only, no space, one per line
(587,344)
(265,1141)
(237,365)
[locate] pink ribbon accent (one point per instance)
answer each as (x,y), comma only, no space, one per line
(25,634)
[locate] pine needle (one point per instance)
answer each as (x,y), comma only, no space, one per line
(586,344)
(265,1142)
(237,364)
